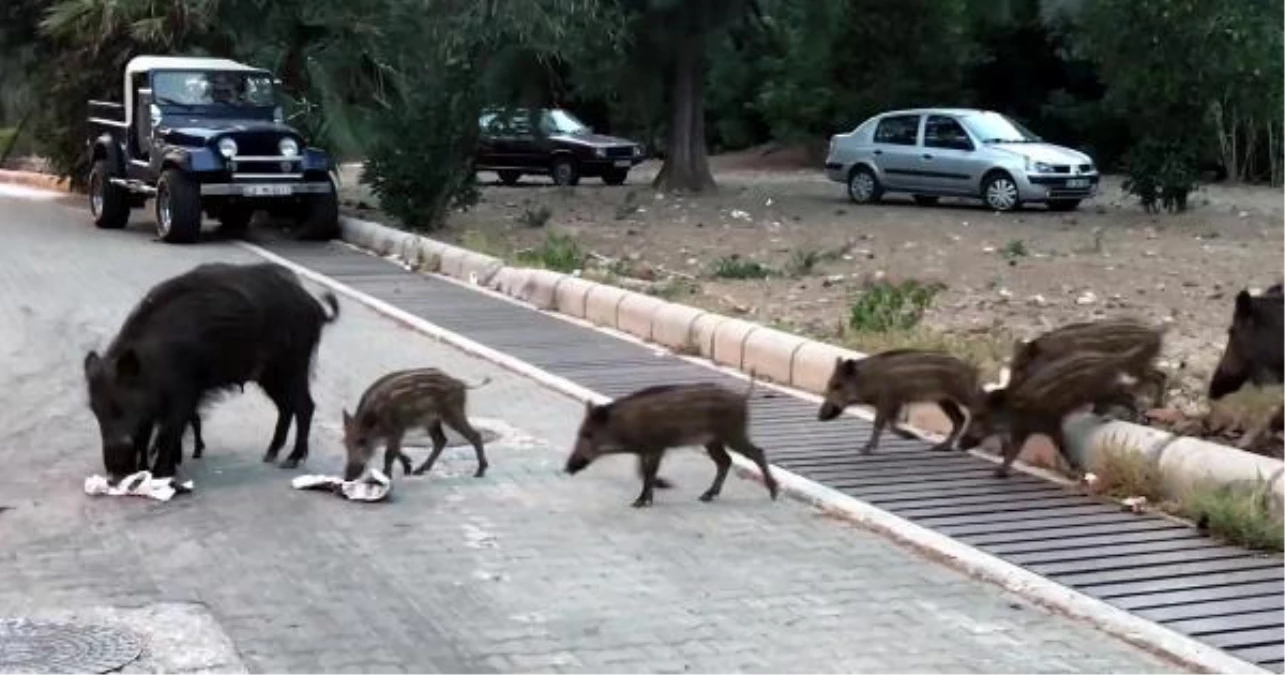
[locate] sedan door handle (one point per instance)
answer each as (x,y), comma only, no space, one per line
(927,156)
(878,152)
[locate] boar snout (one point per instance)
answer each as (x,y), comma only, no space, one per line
(575,464)
(829,411)
(353,471)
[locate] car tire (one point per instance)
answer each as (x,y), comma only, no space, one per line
(863,186)
(510,178)
(564,172)
(926,200)
(178,208)
(234,220)
(1063,204)
(108,203)
(999,191)
(615,177)
(319,220)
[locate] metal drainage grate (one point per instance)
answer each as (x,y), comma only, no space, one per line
(1152,566)
(30,646)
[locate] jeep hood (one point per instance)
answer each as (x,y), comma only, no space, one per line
(205,128)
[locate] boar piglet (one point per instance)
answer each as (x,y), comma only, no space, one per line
(1108,335)
(1255,351)
(1040,402)
(650,421)
(210,329)
(893,379)
(401,400)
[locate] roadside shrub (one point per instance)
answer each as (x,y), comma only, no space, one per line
(736,267)
(885,306)
(559,252)
(1239,515)
(537,217)
(1123,472)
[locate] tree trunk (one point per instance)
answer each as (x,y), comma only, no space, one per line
(17,134)
(686,165)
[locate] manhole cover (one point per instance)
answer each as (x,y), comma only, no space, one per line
(418,438)
(29,646)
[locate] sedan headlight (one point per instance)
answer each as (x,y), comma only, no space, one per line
(227,148)
(288,147)
(1039,167)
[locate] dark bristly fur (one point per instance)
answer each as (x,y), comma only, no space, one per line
(650,421)
(890,380)
(210,329)
(1039,403)
(401,400)
(1255,351)
(1109,336)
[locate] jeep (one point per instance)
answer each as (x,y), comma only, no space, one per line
(205,136)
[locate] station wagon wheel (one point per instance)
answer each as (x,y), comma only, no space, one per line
(1000,192)
(178,208)
(509,177)
(863,186)
(564,171)
(108,203)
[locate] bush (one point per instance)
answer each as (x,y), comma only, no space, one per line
(736,267)
(559,252)
(885,306)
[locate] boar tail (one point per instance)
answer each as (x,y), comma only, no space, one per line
(485,381)
(333,303)
(750,390)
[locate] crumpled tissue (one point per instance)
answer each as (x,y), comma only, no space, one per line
(374,486)
(140,484)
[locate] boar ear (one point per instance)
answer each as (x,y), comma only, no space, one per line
(128,367)
(347,418)
(600,413)
(848,367)
(92,362)
(1244,304)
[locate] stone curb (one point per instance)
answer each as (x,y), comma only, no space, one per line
(795,361)
(35,179)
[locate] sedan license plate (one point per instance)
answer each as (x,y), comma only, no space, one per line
(1078,183)
(268,190)
(622,163)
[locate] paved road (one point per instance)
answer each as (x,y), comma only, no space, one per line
(525,569)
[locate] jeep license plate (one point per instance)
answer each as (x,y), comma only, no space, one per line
(268,190)
(622,163)
(1078,183)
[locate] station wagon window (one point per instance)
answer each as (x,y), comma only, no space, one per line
(945,132)
(512,124)
(898,130)
(212,88)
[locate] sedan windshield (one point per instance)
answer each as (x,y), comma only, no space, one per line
(992,127)
(212,88)
(561,122)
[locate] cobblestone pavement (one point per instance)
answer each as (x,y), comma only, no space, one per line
(524,570)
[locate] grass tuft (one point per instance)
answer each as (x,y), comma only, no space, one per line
(558,252)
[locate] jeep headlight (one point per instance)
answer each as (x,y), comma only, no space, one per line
(227,148)
(288,147)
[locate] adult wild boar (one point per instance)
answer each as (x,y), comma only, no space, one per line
(212,328)
(1255,350)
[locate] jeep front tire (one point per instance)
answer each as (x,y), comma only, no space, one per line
(178,208)
(107,202)
(319,216)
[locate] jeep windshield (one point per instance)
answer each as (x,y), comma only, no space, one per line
(992,127)
(217,88)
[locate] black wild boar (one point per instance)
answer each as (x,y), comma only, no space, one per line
(1255,350)
(650,421)
(401,400)
(1039,403)
(899,377)
(1107,335)
(212,328)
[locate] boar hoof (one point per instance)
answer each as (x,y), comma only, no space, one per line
(1001,472)
(941,447)
(481,471)
(709,496)
(641,502)
(290,463)
(418,472)
(661,483)
(867,449)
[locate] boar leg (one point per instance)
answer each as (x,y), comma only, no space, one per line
(650,466)
(169,443)
(198,444)
(459,422)
(273,387)
(393,452)
(958,423)
(882,415)
(756,455)
(439,442)
(304,407)
(660,483)
(721,460)
(1012,444)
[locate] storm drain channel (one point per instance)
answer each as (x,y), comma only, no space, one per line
(1154,567)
